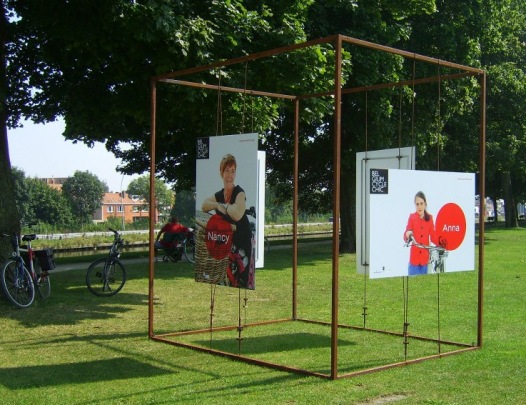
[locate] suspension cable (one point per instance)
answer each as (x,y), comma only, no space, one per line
(219,113)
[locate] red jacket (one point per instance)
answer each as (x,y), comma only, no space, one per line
(423,233)
(168,230)
(170,227)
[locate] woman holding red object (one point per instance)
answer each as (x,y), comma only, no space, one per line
(421,229)
(230,204)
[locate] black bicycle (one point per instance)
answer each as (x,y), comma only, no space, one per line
(106,276)
(20,278)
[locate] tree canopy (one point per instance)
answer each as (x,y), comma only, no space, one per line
(164,197)
(91,63)
(84,191)
(40,204)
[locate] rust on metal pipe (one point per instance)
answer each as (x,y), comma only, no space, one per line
(337,41)
(152,211)
(295,210)
(228,89)
(410,55)
(248,58)
(482,193)
(336,205)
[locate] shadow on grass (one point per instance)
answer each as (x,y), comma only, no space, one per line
(120,368)
(275,343)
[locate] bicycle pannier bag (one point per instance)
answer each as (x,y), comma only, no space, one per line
(46,259)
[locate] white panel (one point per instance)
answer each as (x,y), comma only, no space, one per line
(398,158)
(260,209)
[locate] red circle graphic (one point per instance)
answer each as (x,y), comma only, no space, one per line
(450,226)
(218,237)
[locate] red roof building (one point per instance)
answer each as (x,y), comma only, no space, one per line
(122,205)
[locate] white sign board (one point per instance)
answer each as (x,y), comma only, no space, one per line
(434,208)
(399,158)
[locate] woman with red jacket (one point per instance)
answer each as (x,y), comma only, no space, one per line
(421,228)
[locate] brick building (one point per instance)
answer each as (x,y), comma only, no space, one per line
(122,205)
(115,204)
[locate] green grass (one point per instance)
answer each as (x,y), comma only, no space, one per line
(75,348)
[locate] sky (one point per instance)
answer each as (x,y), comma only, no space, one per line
(41,150)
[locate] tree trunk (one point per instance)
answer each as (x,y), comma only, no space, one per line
(347,210)
(9,218)
(510,208)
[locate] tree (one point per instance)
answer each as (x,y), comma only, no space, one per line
(184,207)
(85,192)
(164,197)
(381,22)
(9,217)
(504,55)
(39,204)
(102,90)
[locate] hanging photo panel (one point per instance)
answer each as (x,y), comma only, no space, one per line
(397,158)
(226,204)
(421,222)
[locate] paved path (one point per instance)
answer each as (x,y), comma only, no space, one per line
(85,265)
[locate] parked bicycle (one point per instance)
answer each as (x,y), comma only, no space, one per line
(20,278)
(177,245)
(106,276)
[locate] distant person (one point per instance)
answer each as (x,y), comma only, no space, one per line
(421,229)
(170,232)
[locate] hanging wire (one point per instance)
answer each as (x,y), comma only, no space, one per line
(413,96)
(405,280)
(244,98)
(405,290)
(219,113)
(438,314)
(212,305)
(366,122)
(439,122)
(252,114)
(438,168)
(400,128)
(245,306)
(364,313)
(239,324)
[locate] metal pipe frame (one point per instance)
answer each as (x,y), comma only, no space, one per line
(167,338)
(338,41)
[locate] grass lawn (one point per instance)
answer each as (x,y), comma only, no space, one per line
(75,348)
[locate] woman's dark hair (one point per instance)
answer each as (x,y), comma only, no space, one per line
(423,197)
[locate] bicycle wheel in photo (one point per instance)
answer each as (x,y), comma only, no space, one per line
(43,285)
(105,277)
(189,250)
(172,256)
(17,285)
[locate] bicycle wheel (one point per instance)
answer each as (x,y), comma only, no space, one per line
(189,250)
(17,285)
(105,277)
(173,256)
(43,285)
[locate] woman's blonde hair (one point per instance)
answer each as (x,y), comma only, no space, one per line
(227,161)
